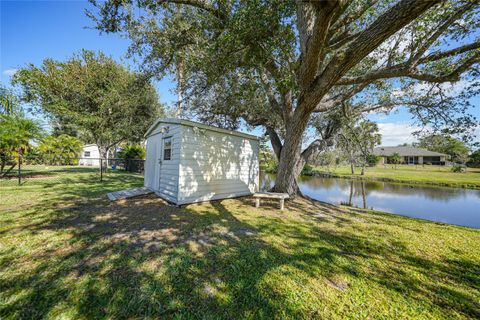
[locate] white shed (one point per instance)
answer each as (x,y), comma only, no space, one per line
(90,156)
(191,162)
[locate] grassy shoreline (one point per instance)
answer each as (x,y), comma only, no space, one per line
(433,176)
(67,252)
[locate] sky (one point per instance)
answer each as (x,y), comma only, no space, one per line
(31,31)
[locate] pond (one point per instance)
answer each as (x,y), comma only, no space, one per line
(447,205)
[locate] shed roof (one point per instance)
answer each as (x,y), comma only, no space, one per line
(199,125)
(405,151)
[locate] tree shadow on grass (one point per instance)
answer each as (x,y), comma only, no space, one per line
(143,258)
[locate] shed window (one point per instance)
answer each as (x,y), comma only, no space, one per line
(167,148)
(86,154)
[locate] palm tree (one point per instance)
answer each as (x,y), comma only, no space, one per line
(16,134)
(8,101)
(63,149)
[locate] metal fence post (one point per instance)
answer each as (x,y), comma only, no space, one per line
(101,169)
(19,169)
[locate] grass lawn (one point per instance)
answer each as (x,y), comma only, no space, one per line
(66,252)
(435,175)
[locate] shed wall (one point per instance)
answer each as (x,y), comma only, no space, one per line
(215,165)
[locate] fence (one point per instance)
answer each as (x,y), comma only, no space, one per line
(20,170)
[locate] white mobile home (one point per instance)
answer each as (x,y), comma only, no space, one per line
(90,156)
(191,162)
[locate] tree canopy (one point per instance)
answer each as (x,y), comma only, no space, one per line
(278,63)
(455,148)
(91,93)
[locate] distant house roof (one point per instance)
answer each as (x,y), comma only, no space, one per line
(199,125)
(405,151)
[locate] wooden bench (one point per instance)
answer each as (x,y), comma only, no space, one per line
(270,195)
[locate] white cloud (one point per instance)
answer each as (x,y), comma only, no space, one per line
(10,72)
(394,134)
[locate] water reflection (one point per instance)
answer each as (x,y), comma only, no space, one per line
(449,205)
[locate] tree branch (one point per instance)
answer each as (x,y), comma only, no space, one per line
(314,18)
(328,103)
(356,14)
(438,32)
(435,56)
(275,140)
(201,4)
(381,29)
(315,148)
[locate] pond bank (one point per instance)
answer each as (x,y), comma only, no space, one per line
(411,175)
(434,203)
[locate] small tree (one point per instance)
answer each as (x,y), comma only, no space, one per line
(101,99)
(357,139)
(395,158)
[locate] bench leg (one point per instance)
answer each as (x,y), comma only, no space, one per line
(282,203)
(257,202)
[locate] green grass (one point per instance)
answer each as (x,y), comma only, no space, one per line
(68,253)
(435,175)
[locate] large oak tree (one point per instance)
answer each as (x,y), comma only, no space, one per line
(278,63)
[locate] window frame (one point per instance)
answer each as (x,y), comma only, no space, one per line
(164,140)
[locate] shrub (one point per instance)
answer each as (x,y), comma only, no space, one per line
(270,166)
(307,170)
(132,151)
(458,168)
(373,160)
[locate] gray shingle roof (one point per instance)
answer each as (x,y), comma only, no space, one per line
(405,151)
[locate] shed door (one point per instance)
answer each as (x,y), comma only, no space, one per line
(164,159)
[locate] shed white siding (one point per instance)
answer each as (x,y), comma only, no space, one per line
(207,163)
(216,165)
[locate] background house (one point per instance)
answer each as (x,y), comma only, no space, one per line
(410,155)
(191,162)
(90,156)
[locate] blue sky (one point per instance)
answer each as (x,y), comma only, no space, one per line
(31,31)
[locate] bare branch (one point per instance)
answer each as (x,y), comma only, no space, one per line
(438,32)
(435,56)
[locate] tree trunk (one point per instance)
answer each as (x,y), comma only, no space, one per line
(180,85)
(352,168)
(364,196)
(291,163)
(351,193)
(363,169)
(103,157)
